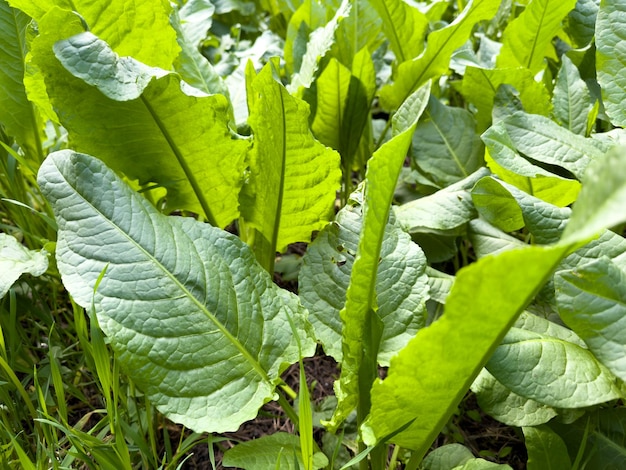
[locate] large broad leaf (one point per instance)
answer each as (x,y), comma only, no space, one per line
(195,321)
(16,259)
(611,58)
(485,300)
(360,318)
(546,142)
(137,29)
(580,23)
(480,86)
(430,376)
(546,450)
(572,101)
(446,211)
(598,439)
(506,406)
(527,37)
(344,99)
(280,451)
(435,59)
(401,283)
(592,301)
(18,116)
(404,26)
(142,121)
(293,177)
(446,147)
(510,209)
(551,371)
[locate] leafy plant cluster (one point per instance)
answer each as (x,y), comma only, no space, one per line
(455,168)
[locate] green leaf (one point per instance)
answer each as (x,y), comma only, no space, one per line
(580,23)
(404,26)
(507,207)
(435,59)
(192,66)
(343,108)
(551,371)
(401,283)
(361,308)
(332,92)
(546,450)
(497,206)
(18,116)
(445,146)
(446,211)
(137,29)
(447,457)
(484,302)
(16,259)
(131,117)
(611,59)
(572,101)
(293,177)
(489,240)
(273,451)
(601,200)
(526,38)
(320,42)
(480,85)
(504,160)
(592,302)
(506,406)
(195,20)
(544,141)
(193,319)
(601,437)
(358,31)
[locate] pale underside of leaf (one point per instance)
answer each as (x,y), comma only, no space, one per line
(197,323)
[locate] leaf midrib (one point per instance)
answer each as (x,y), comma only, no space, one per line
(189,174)
(233,340)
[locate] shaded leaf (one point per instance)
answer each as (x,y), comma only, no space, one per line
(580,23)
(274,451)
(600,435)
(445,145)
(546,450)
(195,321)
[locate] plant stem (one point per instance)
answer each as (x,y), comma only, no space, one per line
(288,409)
